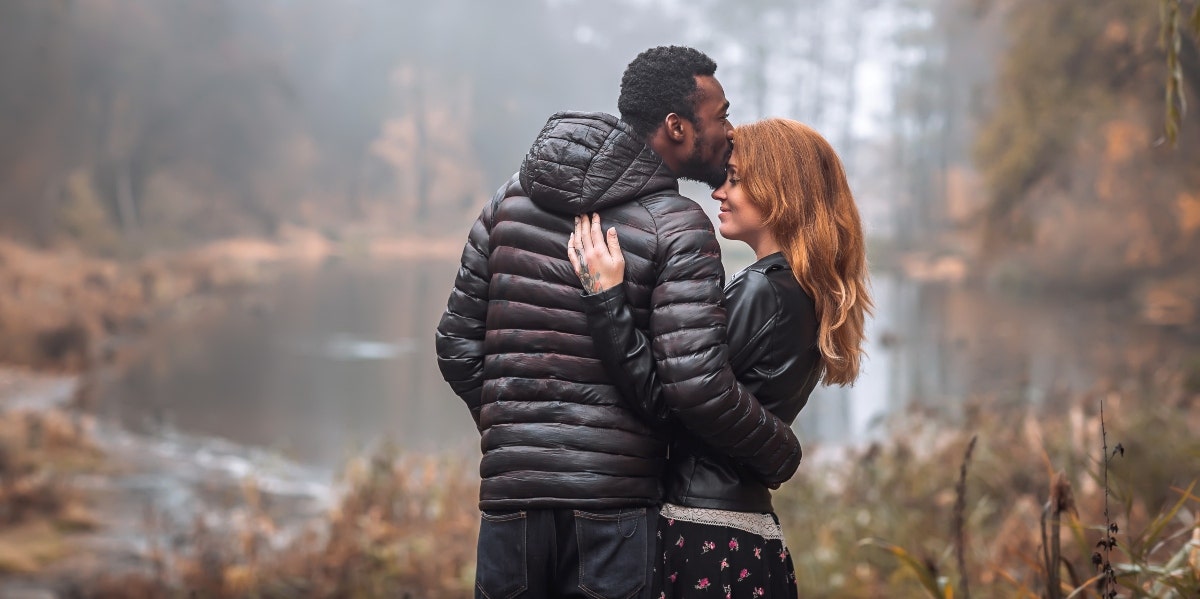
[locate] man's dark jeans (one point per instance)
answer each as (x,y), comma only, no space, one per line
(586,554)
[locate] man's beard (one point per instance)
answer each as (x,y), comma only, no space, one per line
(695,169)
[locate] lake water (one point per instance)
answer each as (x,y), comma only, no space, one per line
(332,359)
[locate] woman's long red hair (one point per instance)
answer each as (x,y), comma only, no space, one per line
(796,179)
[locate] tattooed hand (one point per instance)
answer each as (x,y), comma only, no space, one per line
(591,284)
(597,258)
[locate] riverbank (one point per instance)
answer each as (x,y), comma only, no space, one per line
(84,502)
(94,513)
(65,311)
(882,520)
(43,447)
(983,501)
(68,322)
(386,520)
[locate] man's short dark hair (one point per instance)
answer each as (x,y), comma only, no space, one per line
(660,81)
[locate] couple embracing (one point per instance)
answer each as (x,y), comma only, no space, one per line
(635,411)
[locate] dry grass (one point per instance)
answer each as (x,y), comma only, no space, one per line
(905,518)
(28,546)
(38,509)
(1032,472)
(405,527)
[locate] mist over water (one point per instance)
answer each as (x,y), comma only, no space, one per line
(329,362)
(335,359)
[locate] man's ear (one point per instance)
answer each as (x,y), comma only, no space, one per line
(674,127)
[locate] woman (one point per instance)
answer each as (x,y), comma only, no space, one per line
(795,319)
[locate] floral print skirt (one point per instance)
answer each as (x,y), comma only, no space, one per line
(721,554)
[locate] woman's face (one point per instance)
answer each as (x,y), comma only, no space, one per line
(740,219)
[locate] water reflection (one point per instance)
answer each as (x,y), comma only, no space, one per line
(935,347)
(341,356)
(338,358)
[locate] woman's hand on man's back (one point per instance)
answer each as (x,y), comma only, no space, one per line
(597,258)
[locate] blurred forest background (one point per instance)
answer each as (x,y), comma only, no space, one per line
(1025,136)
(199,328)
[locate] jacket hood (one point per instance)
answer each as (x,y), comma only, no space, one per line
(583,162)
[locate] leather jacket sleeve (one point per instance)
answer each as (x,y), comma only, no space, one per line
(682,367)
(753,310)
(461,331)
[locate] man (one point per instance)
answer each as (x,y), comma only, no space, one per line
(570,472)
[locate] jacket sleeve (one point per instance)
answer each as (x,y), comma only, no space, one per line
(682,368)
(460,333)
(751,306)
(625,352)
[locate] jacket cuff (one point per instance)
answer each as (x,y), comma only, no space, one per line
(788,469)
(605,300)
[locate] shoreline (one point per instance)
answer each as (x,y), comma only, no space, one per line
(114,503)
(402,507)
(69,322)
(62,311)
(23,388)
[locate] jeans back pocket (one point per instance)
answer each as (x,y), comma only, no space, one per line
(501,571)
(614,554)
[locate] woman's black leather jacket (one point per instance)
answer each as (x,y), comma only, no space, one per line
(773,351)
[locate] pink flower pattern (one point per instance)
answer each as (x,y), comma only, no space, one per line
(747,578)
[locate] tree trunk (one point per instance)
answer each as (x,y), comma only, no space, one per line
(851,91)
(126,206)
(423,162)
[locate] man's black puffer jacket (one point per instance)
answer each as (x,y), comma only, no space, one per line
(514,341)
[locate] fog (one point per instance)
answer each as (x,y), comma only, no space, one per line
(408,114)
(228,229)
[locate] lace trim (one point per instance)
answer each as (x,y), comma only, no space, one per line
(762,525)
